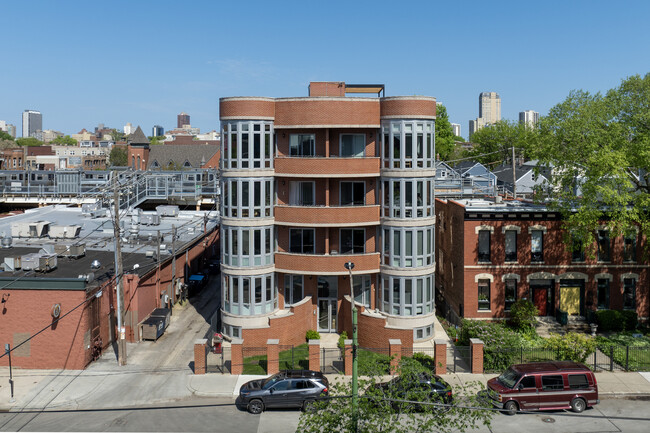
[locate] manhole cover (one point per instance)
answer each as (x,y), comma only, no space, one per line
(548,419)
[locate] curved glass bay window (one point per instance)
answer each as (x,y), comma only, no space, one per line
(247,246)
(247,144)
(247,197)
(407,198)
(250,294)
(407,296)
(408,144)
(407,247)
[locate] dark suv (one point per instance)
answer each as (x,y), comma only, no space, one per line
(423,387)
(288,388)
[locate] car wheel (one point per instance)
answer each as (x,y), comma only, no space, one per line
(308,406)
(578,405)
(255,407)
(511,407)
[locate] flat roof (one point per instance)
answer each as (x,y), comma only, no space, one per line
(139,241)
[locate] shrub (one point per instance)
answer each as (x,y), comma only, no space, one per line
(426,361)
(609,320)
(342,338)
(630,319)
(497,340)
(522,314)
(571,346)
(312,335)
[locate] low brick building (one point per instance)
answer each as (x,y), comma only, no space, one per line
(73,281)
(491,254)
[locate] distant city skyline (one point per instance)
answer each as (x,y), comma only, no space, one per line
(198,69)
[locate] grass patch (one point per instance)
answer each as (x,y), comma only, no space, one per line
(258,364)
(369,362)
(631,353)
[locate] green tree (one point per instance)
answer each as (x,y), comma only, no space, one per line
(445,142)
(66,140)
(6,141)
(495,142)
(383,409)
(118,157)
(596,151)
(28,141)
(117,135)
(156,140)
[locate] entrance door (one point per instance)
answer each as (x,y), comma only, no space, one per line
(327,315)
(327,298)
(570,300)
(539,298)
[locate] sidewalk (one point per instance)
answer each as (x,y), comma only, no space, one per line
(40,389)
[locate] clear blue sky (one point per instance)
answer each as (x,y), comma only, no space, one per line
(87,62)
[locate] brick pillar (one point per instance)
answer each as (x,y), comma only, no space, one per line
(476,351)
(200,356)
(272,356)
(348,357)
(395,352)
(237,356)
(440,356)
(314,355)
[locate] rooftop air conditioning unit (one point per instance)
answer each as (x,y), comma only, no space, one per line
(12,263)
(150,219)
(65,232)
(167,210)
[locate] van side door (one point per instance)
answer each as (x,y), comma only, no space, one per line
(527,393)
(552,395)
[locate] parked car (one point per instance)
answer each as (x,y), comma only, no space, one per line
(196,283)
(424,387)
(288,388)
(214,266)
(544,386)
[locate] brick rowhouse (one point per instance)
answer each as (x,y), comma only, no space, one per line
(310,183)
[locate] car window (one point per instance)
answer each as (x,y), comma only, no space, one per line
(552,382)
(282,385)
(439,385)
(527,382)
(301,384)
(578,381)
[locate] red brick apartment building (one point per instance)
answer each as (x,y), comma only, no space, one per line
(310,183)
(491,254)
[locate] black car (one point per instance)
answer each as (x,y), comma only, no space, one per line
(399,392)
(288,388)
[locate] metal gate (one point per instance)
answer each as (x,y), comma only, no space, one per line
(331,361)
(294,357)
(458,359)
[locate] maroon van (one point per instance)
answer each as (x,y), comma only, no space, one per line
(544,386)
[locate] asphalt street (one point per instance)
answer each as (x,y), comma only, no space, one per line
(222,415)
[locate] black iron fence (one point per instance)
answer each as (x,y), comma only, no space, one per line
(612,358)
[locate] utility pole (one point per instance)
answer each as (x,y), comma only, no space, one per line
(514,176)
(11,377)
(173,263)
(117,241)
(355,380)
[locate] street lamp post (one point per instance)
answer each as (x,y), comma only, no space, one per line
(355,383)
(11,378)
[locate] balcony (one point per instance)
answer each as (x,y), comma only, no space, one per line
(326,167)
(326,216)
(317,264)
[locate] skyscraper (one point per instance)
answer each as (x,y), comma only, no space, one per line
(489,107)
(157,131)
(489,111)
(182,120)
(529,117)
(456,128)
(32,122)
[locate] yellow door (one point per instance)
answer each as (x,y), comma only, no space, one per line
(570,300)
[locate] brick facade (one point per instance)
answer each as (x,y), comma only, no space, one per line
(459,268)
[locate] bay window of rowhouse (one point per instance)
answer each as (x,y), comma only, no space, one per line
(247,144)
(247,197)
(407,198)
(407,296)
(250,294)
(407,247)
(247,246)
(408,144)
